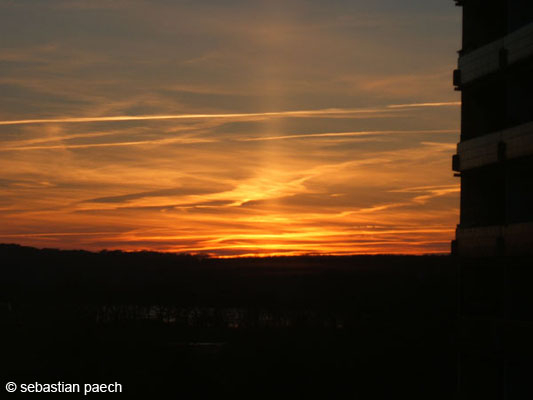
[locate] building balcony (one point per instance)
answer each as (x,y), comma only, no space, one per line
(492,148)
(494,56)
(493,241)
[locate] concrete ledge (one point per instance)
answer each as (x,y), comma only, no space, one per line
(492,241)
(485,150)
(480,62)
(519,44)
(487,59)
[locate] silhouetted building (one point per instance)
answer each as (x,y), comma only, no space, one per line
(494,239)
(495,155)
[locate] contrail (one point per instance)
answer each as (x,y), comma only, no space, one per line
(211,140)
(297,113)
(414,105)
(113,144)
(341,134)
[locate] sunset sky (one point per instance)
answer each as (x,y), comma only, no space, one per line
(229,127)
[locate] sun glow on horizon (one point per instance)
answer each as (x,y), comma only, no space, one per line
(312,193)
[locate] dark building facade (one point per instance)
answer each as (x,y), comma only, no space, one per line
(494,238)
(495,155)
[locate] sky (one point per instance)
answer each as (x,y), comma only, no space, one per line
(229,128)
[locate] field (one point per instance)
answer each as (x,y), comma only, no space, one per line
(374,326)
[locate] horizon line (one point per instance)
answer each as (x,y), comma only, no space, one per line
(294,254)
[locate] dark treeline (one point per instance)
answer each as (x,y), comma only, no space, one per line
(114,277)
(252,326)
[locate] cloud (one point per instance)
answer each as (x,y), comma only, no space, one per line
(181,191)
(243,128)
